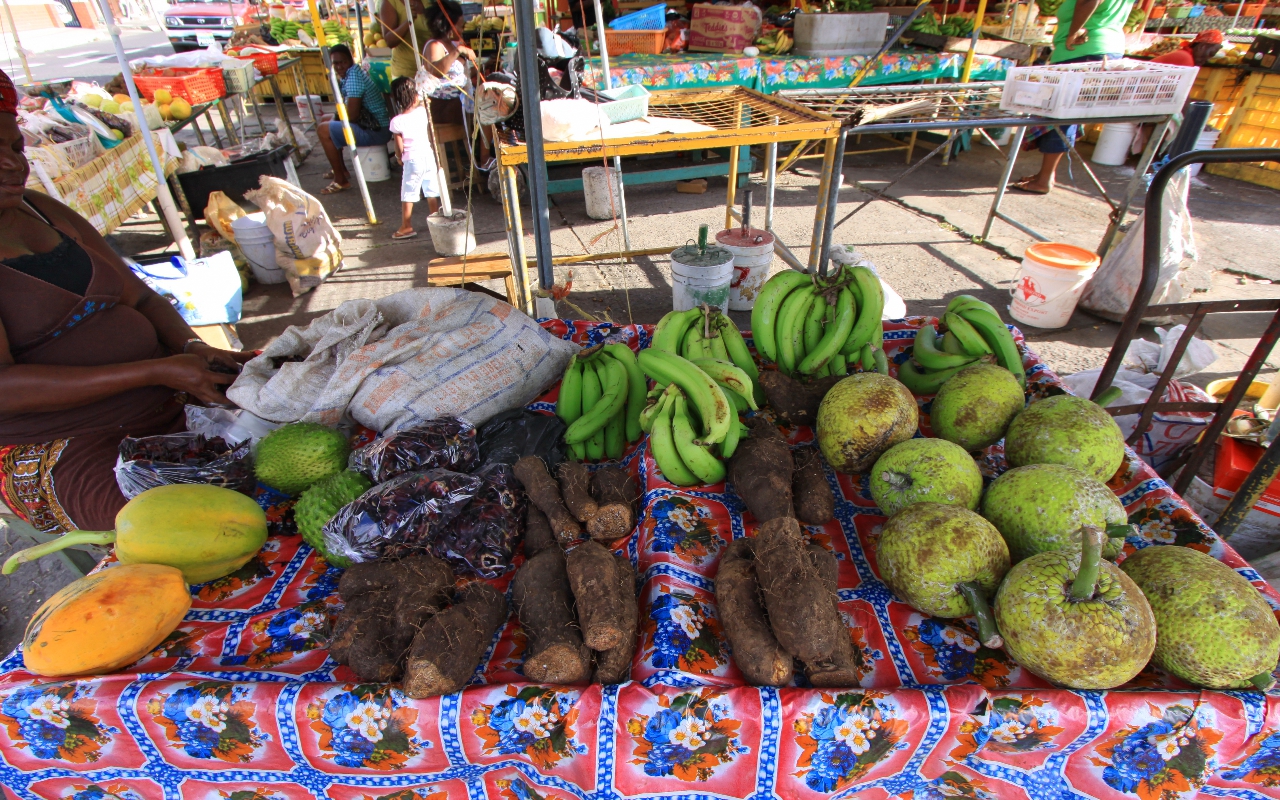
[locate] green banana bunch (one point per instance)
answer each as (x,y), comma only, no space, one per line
(602,395)
(974,332)
(701,334)
(708,400)
(681,458)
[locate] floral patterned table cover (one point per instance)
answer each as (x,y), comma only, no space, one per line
(771,74)
(242,702)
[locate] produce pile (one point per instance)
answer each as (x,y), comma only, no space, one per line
(287,31)
(958,25)
(969,331)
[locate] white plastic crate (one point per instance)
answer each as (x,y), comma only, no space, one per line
(1119,88)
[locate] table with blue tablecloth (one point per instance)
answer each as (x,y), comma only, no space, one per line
(242,702)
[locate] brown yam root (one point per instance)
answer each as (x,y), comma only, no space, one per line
(616,495)
(614,665)
(801,613)
(371,576)
(795,403)
(369,641)
(756,651)
(594,581)
(345,628)
(575,487)
(760,471)
(450,645)
(540,592)
(845,666)
(424,589)
(545,494)
(537,532)
(815,504)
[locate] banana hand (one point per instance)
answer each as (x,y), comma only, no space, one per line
(726,374)
(569,403)
(704,395)
(930,357)
(697,458)
(612,399)
(764,314)
(663,446)
(997,335)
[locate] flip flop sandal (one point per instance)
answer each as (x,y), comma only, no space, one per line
(328,176)
(404,235)
(334,188)
(1019,187)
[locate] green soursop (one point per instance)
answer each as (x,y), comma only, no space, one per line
(296,456)
(318,505)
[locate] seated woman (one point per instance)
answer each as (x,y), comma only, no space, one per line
(88,355)
(366,112)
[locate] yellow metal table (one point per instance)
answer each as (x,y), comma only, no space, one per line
(736,117)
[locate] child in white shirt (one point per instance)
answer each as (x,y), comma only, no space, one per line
(411,130)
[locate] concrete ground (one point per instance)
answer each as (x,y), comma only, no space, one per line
(923,242)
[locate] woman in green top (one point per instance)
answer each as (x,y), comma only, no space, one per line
(395,26)
(1088,30)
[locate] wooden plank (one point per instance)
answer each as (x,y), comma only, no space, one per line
(448,271)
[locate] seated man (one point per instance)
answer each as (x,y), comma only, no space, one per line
(366,111)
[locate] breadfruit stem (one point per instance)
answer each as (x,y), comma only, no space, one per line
(1263,681)
(1121,531)
(1086,581)
(54,545)
(982,612)
(1108,397)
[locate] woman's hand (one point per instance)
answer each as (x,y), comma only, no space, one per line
(466,52)
(190,373)
(212,355)
(1076,39)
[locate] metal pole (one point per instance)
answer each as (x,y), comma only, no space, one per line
(342,112)
(1014,147)
(608,84)
(820,211)
(17,44)
(170,211)
(833,199)
(531,101)
(770,180)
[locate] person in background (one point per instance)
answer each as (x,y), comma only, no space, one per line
(366,112)
(412,133)
(1196,54)
(1088,30)
(88,355)
(395,25)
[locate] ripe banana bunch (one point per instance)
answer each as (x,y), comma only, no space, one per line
(974,332)
(776,42)
(821,326)
(704,334)
(601,397)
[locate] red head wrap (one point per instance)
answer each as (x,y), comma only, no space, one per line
(1208,37)
(8,95)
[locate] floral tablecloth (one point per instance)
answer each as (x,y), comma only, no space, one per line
(770,74)
(242,702)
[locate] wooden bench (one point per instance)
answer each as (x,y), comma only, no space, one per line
(449,271)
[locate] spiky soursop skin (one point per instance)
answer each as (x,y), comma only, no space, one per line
(1214,628)
(928,549)
(296,456)
(974,408)
(1098,643)
(925,471)
(1066,430)
(863,416)
(319,503)
(1043,507)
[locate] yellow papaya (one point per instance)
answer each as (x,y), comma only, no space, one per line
(105,621)
(205,531)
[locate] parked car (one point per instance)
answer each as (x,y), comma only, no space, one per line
(193,24)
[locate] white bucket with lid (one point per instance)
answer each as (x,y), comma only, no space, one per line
(1207,140)
(258,245)
(1113,145)
(452,236)
(700,277)
(374,163)
(1050,282)
(602,189)
(752,252)
(304,108)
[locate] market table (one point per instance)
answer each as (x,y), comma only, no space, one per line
(769,74)
(243,702)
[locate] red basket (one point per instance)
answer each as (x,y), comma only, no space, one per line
(644,42)
(267,63)
(193,85)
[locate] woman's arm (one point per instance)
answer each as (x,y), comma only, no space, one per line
(396,30)
(1076,33)
(354,104)
(440,54)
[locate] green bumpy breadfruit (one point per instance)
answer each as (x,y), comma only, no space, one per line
(974,407)
(299,455)
(1043,507)
(1214,629)
(318,505)
(1066,430)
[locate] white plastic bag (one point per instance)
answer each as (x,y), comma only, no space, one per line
(569,120)
(1152,357)
(406,358)
(894,306)
(206,291)
(308,247)
(1113,287)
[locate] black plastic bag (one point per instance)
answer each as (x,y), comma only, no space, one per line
(150,461)
(443,443)
(512,435)
(482,539)
(401,516)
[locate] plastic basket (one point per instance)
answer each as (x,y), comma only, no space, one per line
(78,151)
(1098,89)
(653,18)
(193,85)
(238,79)
(267,63)
(643,42)
(629,102)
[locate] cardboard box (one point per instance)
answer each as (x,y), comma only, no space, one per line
(723,29)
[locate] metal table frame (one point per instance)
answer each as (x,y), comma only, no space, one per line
(957,107)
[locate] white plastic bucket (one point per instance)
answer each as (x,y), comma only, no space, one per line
(1113,144)
(752,259)
(304,109)
(374,163)
(452,236)
(603,199)
(258,245)
(1050,282)
(693,285)
(1207,140)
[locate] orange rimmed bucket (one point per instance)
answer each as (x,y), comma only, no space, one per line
(1050,282)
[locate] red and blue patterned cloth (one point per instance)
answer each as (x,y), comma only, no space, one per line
(242,702)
